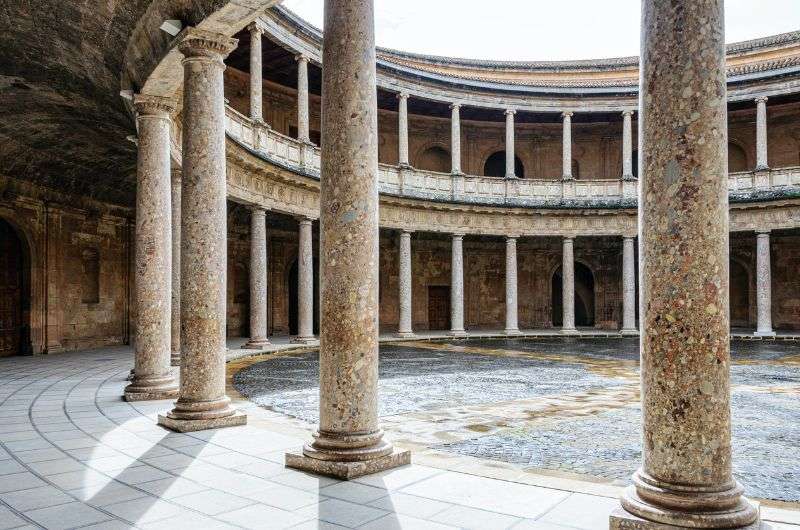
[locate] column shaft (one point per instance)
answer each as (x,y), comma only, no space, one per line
(627,145)
(566,146)
(512,324)
(628,286)
(202,403)
(305,283)
(402,129)
(152,345)
(510,156)
(303,132)
(258,280)
(457,286)
(685,479)
(256,75)
(405,328)
(455,138)
(764,285)
(176,267)
(762,160)
(568,286)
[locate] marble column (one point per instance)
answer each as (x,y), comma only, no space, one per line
(258,280)
(175,359)
(685,480)
(457,286)
(405,329)
(764,285)
(627,145)
(402,129)
(566,149)
(628,286)
(305,284)
(455,138)
(762,160)
(202,403)
(512,324)
(256,75)
(568,286)
(349,441)
(510,169)
(152,373)
(303,133)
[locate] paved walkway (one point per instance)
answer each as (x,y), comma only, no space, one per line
(74,455)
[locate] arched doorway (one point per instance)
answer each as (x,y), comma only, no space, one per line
(495,165)
(740,295)
(435,159)
(14,293)
(294,298)
(584,296)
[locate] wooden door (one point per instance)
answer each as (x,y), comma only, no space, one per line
(438,307)
(10,291)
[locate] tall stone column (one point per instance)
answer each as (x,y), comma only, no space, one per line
(627,145)
(405,329)
(764,285)
(256,75)
(457,286)
(512,324)
(258,281)
(176,267)
(510,169)
(685,480)
(628,286)
(305,284)
(202,403)
(303,133)
(762,160)
(566,149)
(455,138)
(568,286)
(152,377)
(349,441)
(402,129)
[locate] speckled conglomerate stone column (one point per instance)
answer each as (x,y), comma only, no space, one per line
(152,377)
(202,403)
(512,325)
(303,133)
(568,286)
(627,145)
(685,480)
(402,128)
(628,285)
(510,160)
(305,283)
(762,159)
(404,280)
(256,67)
(457,286)
(349,441)
(764,285)
(258,280)
(455,139)
(566,146)
(176,267)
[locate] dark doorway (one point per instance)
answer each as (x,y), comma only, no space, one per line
(435,159)
(495,165)
(584,297)
(439,307)
(740,295)
(14,299)
(294,298)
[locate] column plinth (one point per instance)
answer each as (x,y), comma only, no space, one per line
(152,374)
(405,326)
(764,286)
(349,441)
(512,324)
(176,268)
(628,287)
(305,284)
(568,287)
(202,403)
(457,287)
(686,476)
(258,281)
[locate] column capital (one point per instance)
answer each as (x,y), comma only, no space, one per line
(569,238)
(199,43)
(761,99)
(256,27)
(512,237)
(510,112)
(304,220)
(301,58)
(764,232)
(628,236)
(156,106)
(406,231)
(628,112)
(567,114)
(403,95)
(457,235)
(455,105)
(258,210)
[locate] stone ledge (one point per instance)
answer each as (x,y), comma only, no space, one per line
(347,470)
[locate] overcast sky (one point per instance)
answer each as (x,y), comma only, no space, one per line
(540,29)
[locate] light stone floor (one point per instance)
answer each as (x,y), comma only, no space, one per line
(74,455)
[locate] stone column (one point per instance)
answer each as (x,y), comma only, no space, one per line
(305,284)
(176,267)
(402,129)
(349,441)
(762,160)
(202,403)
(455,138)
(568,287)
(685,480)
(764,285)
(258,281)
(457,287)
(512,325)
(510,169)
(627,146)
(405,329)
(152,377)
(303,133)
(566,149)
(256,73)
(628,286)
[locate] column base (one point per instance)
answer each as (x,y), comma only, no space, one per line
(622,520)
(568,331)
(347,470)
(458,333)
(405,335)
(628,178)
(236,419)
(511,177)
(765,334)
(304,340)
(512,332)
(152,388)
(631,332)
(567,178)
(256,344)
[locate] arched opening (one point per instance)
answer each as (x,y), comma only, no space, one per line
(495,165)
(294,298)
(435,159)
(737,159)
(739,295)
(584,296)
(15,297)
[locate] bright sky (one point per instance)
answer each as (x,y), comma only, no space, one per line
(540,29)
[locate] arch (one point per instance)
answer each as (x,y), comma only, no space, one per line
(739,294)
(294,297)
(737,158)
(584,296)
(435,158)
(495,165)
(15,291)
